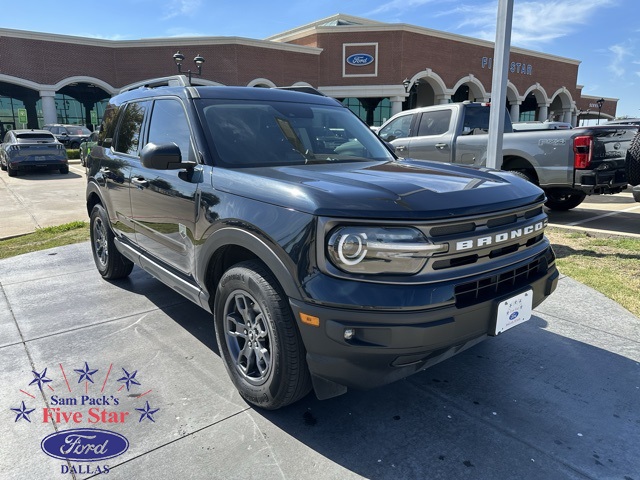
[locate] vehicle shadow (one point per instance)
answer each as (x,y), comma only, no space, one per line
(531,401)
(46,175)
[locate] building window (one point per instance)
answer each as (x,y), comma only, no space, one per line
(375,117)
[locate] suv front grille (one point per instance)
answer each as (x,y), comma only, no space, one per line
(488,288)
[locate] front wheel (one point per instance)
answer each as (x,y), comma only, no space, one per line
(258,339)
(110,262)
(564,201)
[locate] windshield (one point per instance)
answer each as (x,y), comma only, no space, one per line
(253,133)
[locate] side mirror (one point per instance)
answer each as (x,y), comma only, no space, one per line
(166,156)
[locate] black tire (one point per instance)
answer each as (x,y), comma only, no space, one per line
(3,167)
(13,172)
(523,174)
(110,262)
(633,161)
(74,145)
(258,339)
(563,201)
(64,170)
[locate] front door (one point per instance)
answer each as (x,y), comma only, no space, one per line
(164,202)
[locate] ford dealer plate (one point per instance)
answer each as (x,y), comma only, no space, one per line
(514,311)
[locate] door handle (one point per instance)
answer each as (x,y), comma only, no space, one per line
(441,146)
(401,148)
(139,182)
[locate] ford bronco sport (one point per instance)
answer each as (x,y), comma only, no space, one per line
(326,261)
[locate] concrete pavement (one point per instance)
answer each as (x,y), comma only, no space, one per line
(557,397)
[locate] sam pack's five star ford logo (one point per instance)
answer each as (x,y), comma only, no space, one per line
(100,397)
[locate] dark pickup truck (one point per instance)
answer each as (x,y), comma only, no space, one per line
(326,261)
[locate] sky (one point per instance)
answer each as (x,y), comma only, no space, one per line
(603,34)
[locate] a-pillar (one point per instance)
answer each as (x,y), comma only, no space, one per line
(515,111)
(543,112)
(49,113)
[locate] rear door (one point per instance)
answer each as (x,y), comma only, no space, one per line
(164,202)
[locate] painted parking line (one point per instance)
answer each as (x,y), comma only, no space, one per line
(604,215)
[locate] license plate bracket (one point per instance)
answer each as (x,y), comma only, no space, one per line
(513,311)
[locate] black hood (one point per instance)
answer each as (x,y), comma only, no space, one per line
(392,190)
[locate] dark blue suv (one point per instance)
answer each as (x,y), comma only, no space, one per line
(326,261)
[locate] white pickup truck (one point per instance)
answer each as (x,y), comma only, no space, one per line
(567,164)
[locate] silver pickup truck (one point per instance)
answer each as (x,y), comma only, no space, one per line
(567,164)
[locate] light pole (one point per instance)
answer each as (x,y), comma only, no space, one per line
(406,83)
(600,103)
(198,60)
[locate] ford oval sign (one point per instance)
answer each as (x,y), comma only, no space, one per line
(359,59)
(84,444)
(513,316)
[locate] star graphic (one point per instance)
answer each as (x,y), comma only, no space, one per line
(23,413)
(129,378)
(85,374)
(40,378)
(147,413)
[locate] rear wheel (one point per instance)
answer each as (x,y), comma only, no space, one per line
(523,174)
(563,200)
(110,262)
(64,169)
(13,172)
(258,339)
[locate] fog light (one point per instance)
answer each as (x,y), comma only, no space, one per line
(349,333)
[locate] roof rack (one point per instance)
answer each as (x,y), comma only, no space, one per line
(303,89)
(171,81)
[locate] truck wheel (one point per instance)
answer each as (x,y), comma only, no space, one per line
(110,262)
(633,161)
(258,339)
(523,174)
(563,201)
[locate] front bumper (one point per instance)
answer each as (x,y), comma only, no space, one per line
(390,345)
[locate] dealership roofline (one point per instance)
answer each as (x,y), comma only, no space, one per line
(357,24)
(157,42)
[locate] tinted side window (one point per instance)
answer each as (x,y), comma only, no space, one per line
(108,126)
(398,128)
(130,128)
(169,125)
(434,123)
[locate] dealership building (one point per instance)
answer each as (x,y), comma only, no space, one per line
(377,69)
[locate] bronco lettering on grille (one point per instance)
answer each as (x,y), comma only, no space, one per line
(501,237)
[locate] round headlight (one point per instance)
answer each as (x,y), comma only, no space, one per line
(351,248)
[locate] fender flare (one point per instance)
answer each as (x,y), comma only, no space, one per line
(260,247)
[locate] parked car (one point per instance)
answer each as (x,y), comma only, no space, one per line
(326,261)
(71,136)
(86,146)
(29,149)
